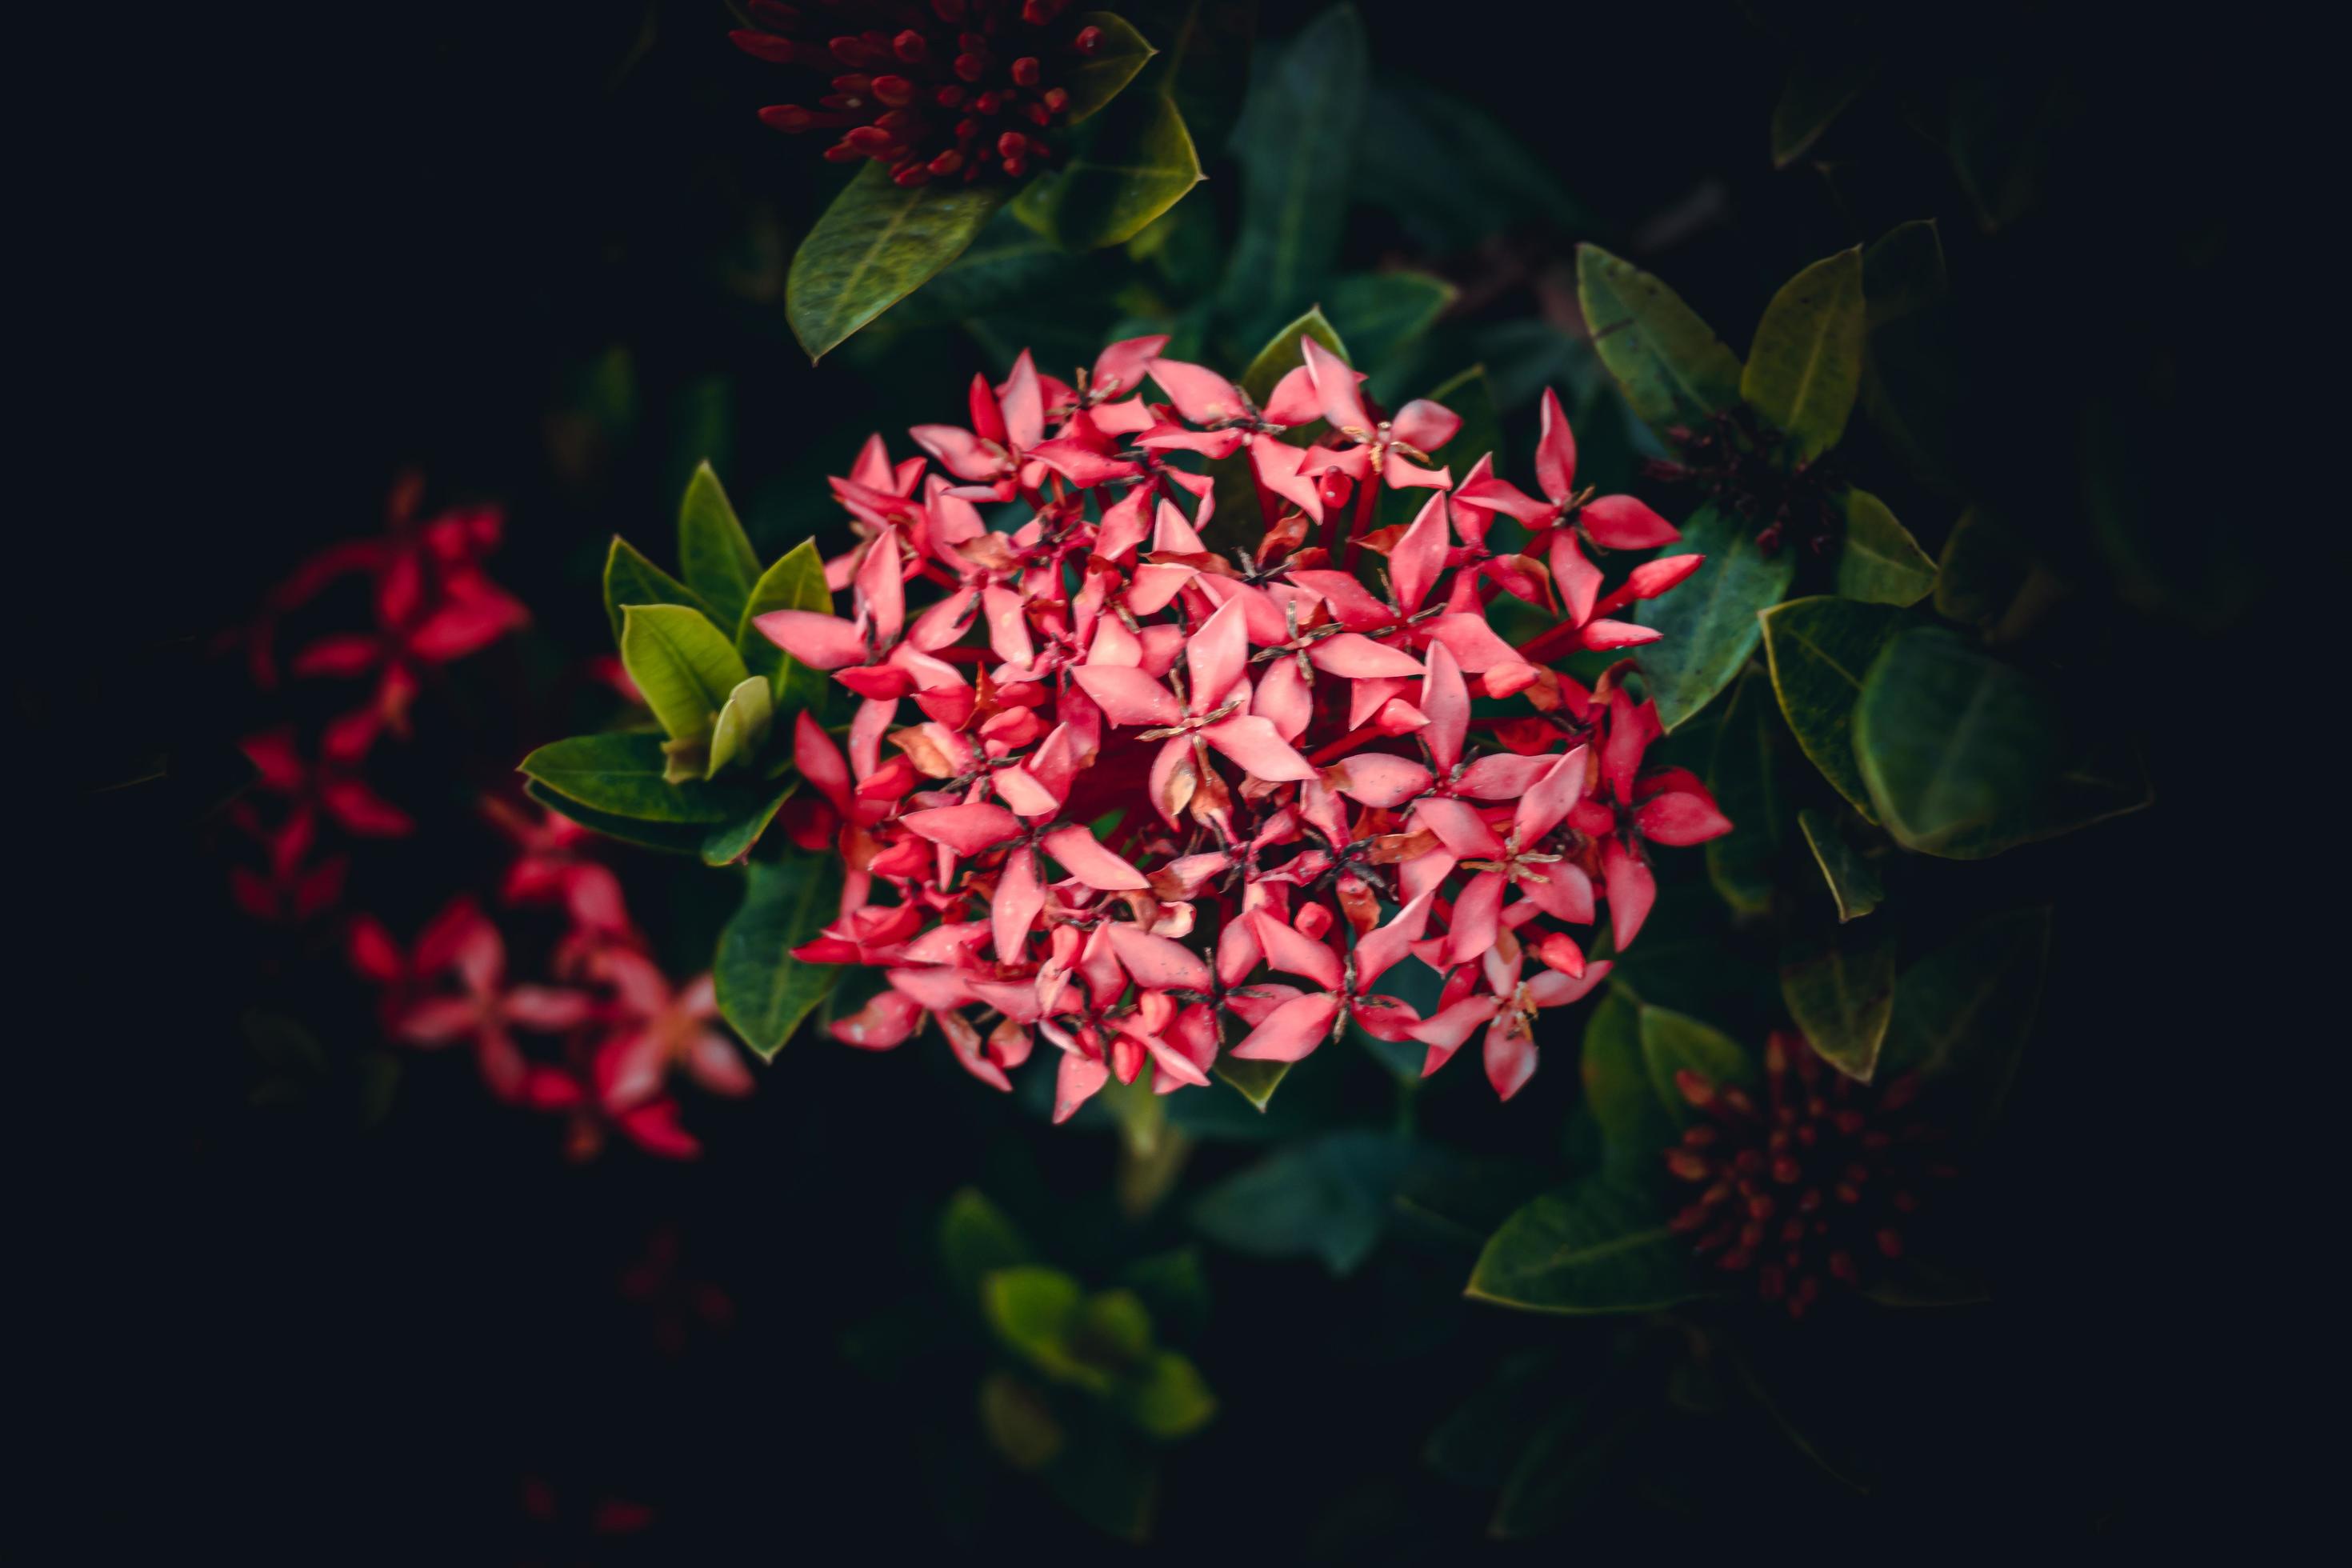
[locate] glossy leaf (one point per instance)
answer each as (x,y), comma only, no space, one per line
(725,844)
(1818,89)
(1330,1197)
(1139,162)
(878,242)
(1879,561)
(1840,988)
(1672,366)
(631,579)
(1009,265)
(763,991)
(1958,750)
(1382,312)
(743,724)
(1707,626)
(677,838)
(713,550)
(796,581)
(1819,650)
(1633,1126)
(684,666)
(621,775)
(1853,880)
(1296,145)
(1673,1042)
(1099,76)
(1804,369)
(1596,1246)
(976,1238)
(1962,1014)
(1743,777)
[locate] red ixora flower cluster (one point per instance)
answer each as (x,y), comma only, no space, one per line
(433,604)
(621,1029)
(1304,790)
(951,89)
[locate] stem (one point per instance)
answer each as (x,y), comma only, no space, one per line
(1344,744)
(1367,495)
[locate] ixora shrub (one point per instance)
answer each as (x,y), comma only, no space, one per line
(1155,793)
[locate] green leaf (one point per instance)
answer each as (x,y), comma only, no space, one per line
(796,581)
(1019,1423)
(1032,1310)
(1817,91)
(1330,1197)
(975,1240)
(724,846)
(1819,650)
(1452,174)
(1167,1398)
(713,550)
(1296,146)
(1139,162)
(1676,1042)
(1099,76)
(1595,1246)
(621,775)
(1237,519)
(1009,265)
(1174,1287)
(631,579)
(1568,1461)
(1634,1126)
(1674,369)
(1840,988)
(1985,568)
(1853,880)
(1962,1014)
(1471,395)
(1382,312)
(1880,562)
(1743,777)
(763,991)
(878,242)
(1805,370)
(743,724)
(677,838)
(1708,625)
(1282,355)
(1903,273)
(683,664)
(1960,752)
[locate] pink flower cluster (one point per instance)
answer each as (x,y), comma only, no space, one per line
(621,1029)
(1285,731)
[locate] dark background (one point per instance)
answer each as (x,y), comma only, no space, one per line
(299,253)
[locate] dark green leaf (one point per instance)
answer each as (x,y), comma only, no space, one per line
(1010,265)
(763,991)
(1139,162)
(684,665)
(1962,1013)
(1451,173)
(1571,1458)
(1329,1198)
(1708,624)
(1676,1042)
(878,242)
(621,776)
(1819,650)
(713,550)
(1034,1310)
(796,581)
(1880,562)
(1819,88)
(1296,146)
(1985,568)
(1099,77)
(1281,354)
(1634,1126)
(1840,987)
(1960,752)
(631,579)
(975,1240)
(1166,1398)
(725,844)
(1805,370)
(677,839)
(1903,273)
(1596,1246)
(1174,1287)
(1743,777)
(1381,312)
(1472,397)
(1853,880)
(1674,369)
(1019,1423)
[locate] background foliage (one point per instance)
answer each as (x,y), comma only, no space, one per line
(545,260)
